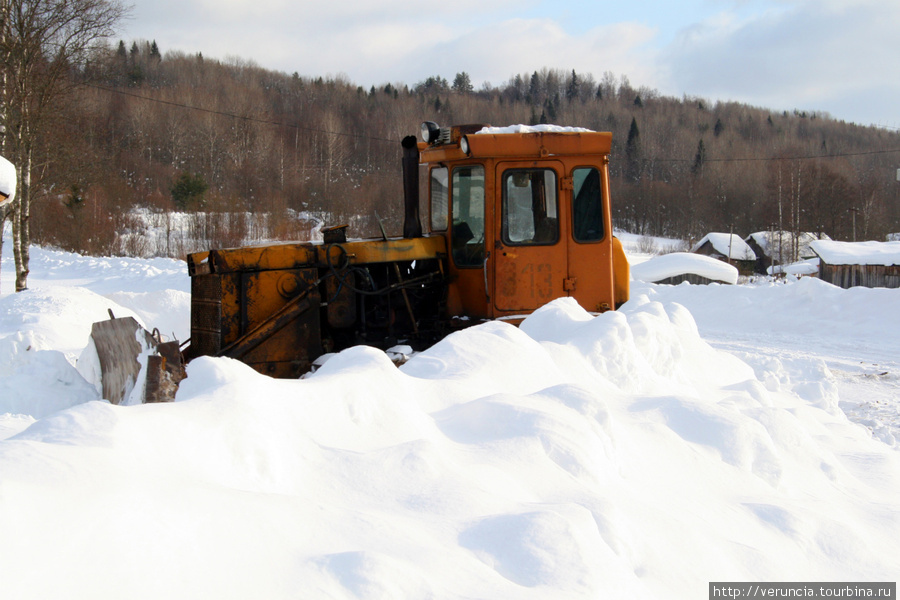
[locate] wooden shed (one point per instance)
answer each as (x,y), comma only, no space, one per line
(781,247)
(729,248)
(865,264)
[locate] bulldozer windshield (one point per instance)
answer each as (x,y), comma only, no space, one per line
(530,213)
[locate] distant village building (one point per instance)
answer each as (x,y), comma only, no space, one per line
(866,264)
(727,247)
(781,247)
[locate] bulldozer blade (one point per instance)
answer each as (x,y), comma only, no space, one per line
(119,342)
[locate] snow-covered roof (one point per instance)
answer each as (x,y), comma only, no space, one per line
(728,245)
(768,241)
(858,253)
(682,263)
(534,129)
(7,181)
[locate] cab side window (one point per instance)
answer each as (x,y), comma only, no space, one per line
(530,213)
(467,237)
(439,181)
(587,205)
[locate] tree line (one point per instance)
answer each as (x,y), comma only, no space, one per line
(133,126)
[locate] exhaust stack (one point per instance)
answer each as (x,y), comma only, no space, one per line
(412,226)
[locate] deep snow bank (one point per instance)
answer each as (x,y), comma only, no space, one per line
(573,457)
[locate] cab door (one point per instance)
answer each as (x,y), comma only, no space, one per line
(590,253)
(529,254)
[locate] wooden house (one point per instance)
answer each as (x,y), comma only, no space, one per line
(865,264)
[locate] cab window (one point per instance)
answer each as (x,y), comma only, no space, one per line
(438,197)
(467,237)
(530,215)
(587,205)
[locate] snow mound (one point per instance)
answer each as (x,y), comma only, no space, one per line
(683,263)
(571,457)
(623,455)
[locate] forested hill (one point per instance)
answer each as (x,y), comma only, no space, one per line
(180,131)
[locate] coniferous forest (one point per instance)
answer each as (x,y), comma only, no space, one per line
(176,132)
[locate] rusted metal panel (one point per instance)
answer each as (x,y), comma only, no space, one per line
(206,315)
(116,342)
(119,343)
(383,251)
(279,321)
(341,300)
(263,258)
(165,370)
(294,256)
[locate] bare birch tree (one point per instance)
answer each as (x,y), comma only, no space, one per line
(42,42)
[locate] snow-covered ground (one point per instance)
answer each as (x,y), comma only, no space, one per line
(701,433)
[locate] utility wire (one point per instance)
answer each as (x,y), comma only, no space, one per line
(806,157)
(380,139)
(232,115)
(775,158)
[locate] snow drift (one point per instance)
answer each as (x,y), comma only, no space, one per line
(682,263)
(573,457)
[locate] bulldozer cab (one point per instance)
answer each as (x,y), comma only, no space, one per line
(526,218)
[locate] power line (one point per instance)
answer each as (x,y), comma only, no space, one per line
(234,116)
(777,158)
(380,139)
(802,157)
(807,157)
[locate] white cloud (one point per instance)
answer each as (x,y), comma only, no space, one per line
(495,52)
(813,55)
(839,56)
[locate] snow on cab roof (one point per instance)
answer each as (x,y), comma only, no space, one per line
(858,253)
(682,263)
(728,245)
(534,129)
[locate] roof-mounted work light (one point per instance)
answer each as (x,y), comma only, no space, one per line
(431,132)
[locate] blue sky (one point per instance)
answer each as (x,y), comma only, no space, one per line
(836,56)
